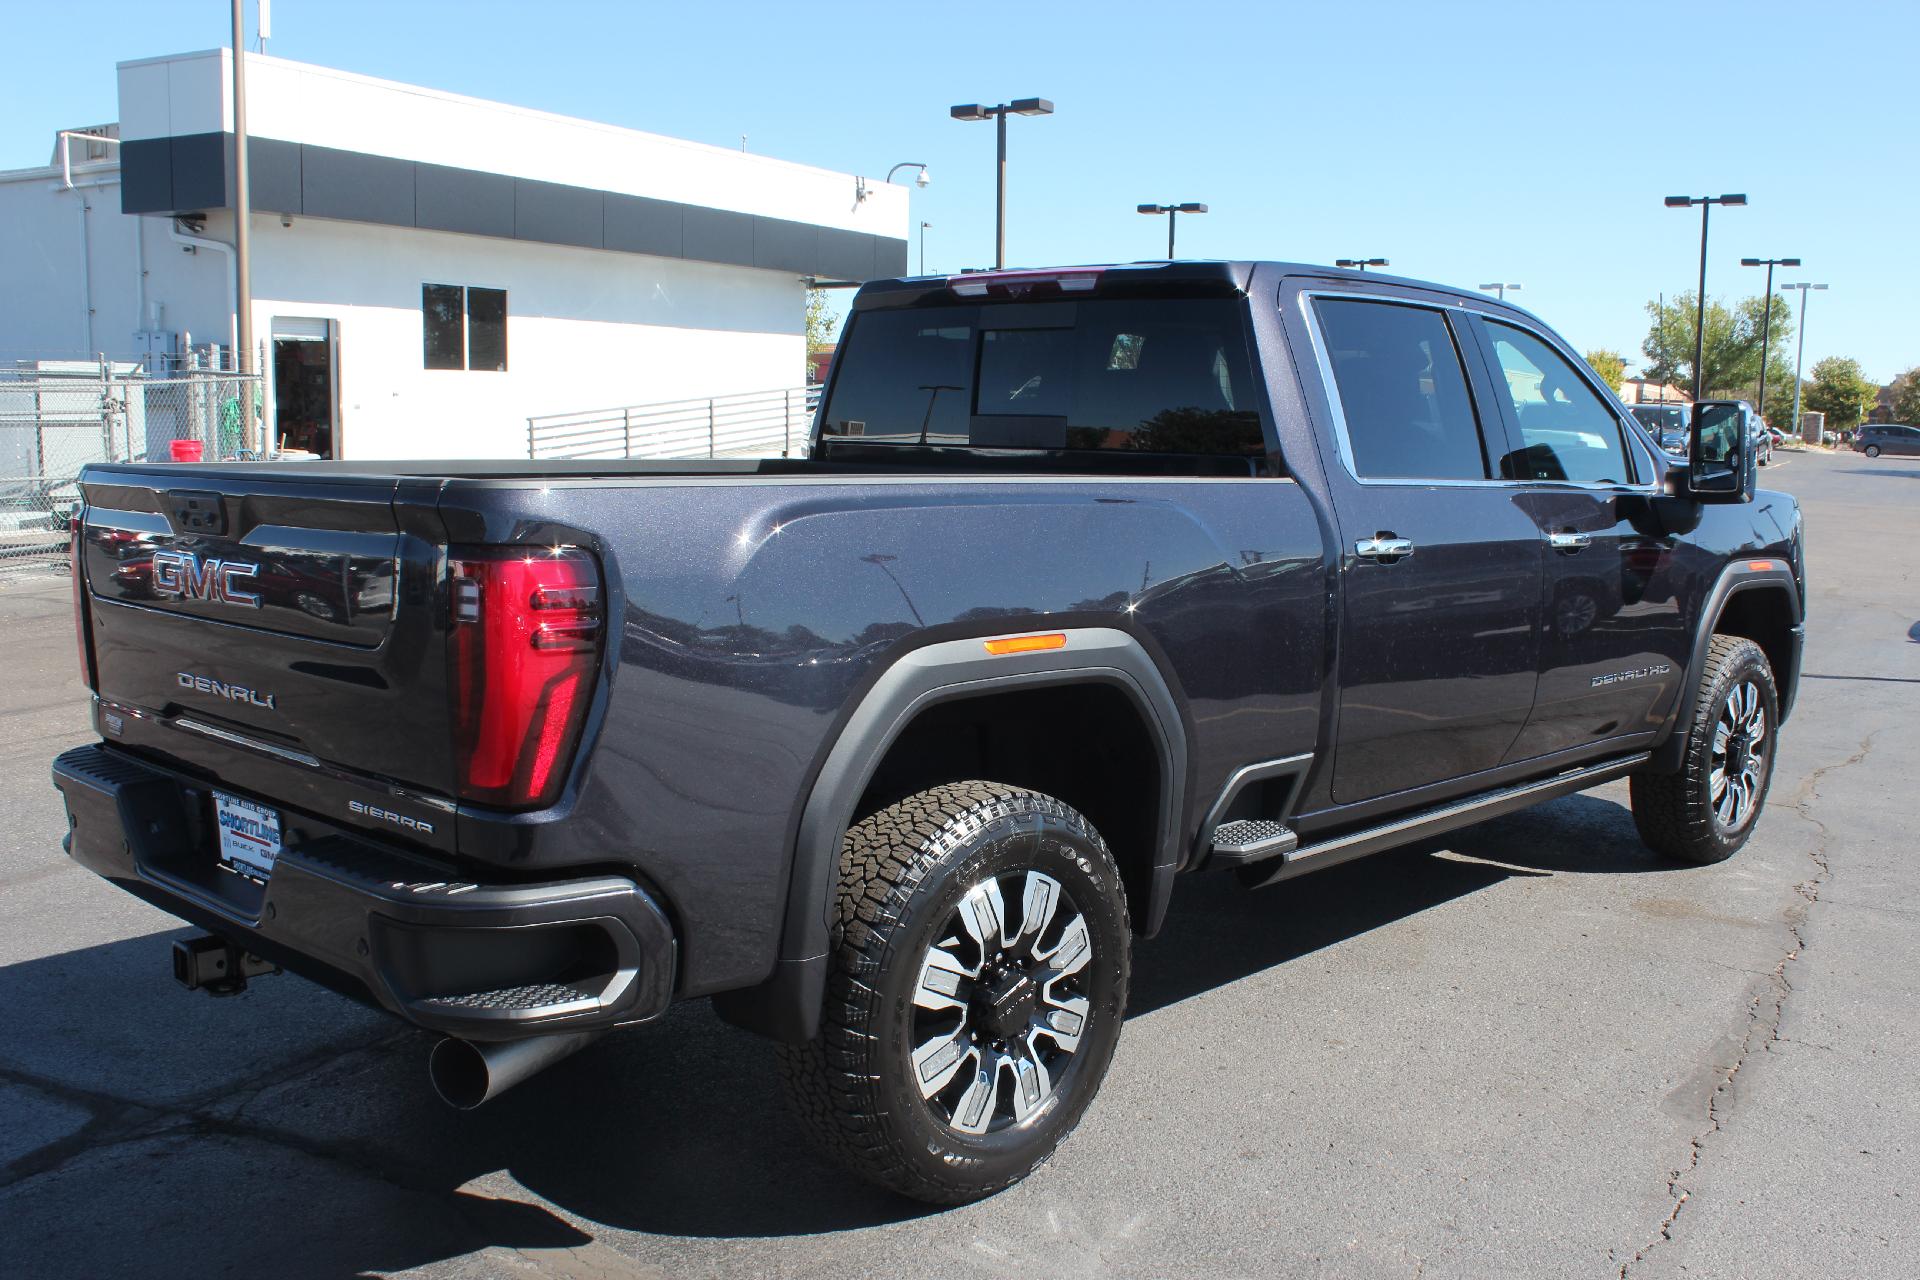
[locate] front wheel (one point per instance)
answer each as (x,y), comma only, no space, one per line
(1872,451)
(1706,811)
(979,961)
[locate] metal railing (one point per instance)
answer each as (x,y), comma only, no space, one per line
(753,424)
(56,416)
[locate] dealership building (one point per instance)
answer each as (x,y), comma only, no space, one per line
(428,270)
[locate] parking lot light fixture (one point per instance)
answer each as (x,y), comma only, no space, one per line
(919,179)
(1173,212)
(1801,358)
(1360,264)
(1766,320)
(1498,288)
(999,114)
(1706,203)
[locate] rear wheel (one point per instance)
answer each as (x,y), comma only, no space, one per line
(1705,812)
(979,974)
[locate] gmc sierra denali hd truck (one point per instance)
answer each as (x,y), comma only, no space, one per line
(1093,577)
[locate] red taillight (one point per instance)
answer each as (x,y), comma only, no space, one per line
(75,528)
(525,645)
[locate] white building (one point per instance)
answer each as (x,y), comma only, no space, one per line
(428,269)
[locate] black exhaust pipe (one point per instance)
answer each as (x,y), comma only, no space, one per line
(466,1074)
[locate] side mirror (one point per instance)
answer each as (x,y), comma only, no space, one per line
(1720,454)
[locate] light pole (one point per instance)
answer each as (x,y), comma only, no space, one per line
(1799,359)
(1766,322)
(1500,289)
(1173,212)
(999,114)
(1700,313)
(1360,263)
(923,246)
(919,180)
(242,231)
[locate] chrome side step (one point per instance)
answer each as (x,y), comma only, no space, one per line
(1447,817)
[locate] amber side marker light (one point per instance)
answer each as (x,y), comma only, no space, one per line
(1026,644)
(1760,565)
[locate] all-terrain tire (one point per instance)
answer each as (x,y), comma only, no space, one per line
(905,874)
(1681,815)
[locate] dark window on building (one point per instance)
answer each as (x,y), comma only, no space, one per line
(1164,376)
(442,308)
(464,328)
(1402,392)
(487,329)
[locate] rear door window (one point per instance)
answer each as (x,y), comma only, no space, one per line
(1567,431)
(1403,393)
(1162,376)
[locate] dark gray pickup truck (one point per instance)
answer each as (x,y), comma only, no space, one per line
(1094,577)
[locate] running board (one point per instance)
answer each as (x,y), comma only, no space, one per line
(1447,817)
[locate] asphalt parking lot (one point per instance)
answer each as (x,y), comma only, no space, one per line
(1536,1052)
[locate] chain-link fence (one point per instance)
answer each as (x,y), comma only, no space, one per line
(56,416)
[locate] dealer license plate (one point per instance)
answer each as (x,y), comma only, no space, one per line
(249,835)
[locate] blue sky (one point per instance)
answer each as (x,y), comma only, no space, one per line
(1529,142)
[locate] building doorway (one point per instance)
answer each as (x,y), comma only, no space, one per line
(305,401)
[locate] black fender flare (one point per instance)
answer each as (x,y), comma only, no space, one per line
(1735,578)
(787,1005)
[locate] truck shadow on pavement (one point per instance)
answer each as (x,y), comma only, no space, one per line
(298,1136)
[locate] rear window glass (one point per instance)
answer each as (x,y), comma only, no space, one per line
(1402,392)
(1162,376)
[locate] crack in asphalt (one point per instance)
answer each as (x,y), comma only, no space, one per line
(1766,1006)
(116,1121)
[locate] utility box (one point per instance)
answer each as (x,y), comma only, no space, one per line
(1813,427)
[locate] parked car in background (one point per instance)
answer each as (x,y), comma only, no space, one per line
(1667,424)
(1876,438)
(1759,439)
(1660,419)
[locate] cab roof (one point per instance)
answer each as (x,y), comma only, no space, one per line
(1217,277)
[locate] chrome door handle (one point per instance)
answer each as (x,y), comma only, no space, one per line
(1383,548)
(1568,541)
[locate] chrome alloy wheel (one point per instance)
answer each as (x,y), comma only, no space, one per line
(1739,756)
(998,1006)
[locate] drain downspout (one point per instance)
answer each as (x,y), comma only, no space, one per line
(201,242)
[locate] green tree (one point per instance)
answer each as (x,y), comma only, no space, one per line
(1732,346)
(1610,365)
(1906,397)
(1841,391)
(821,322)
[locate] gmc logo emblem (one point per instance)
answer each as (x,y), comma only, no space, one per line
(183,574)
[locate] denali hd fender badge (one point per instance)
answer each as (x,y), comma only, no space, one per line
(183,574)
(1638,673)
(221,689)
(363,810)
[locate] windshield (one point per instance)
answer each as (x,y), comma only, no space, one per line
(1161,376)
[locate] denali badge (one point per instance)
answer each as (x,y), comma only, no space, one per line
(221,689)
(1638,673)
(388,815)
(183,574)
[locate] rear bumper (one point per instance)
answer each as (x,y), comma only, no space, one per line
(482,961)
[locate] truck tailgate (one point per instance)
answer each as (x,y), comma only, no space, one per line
(288,616)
